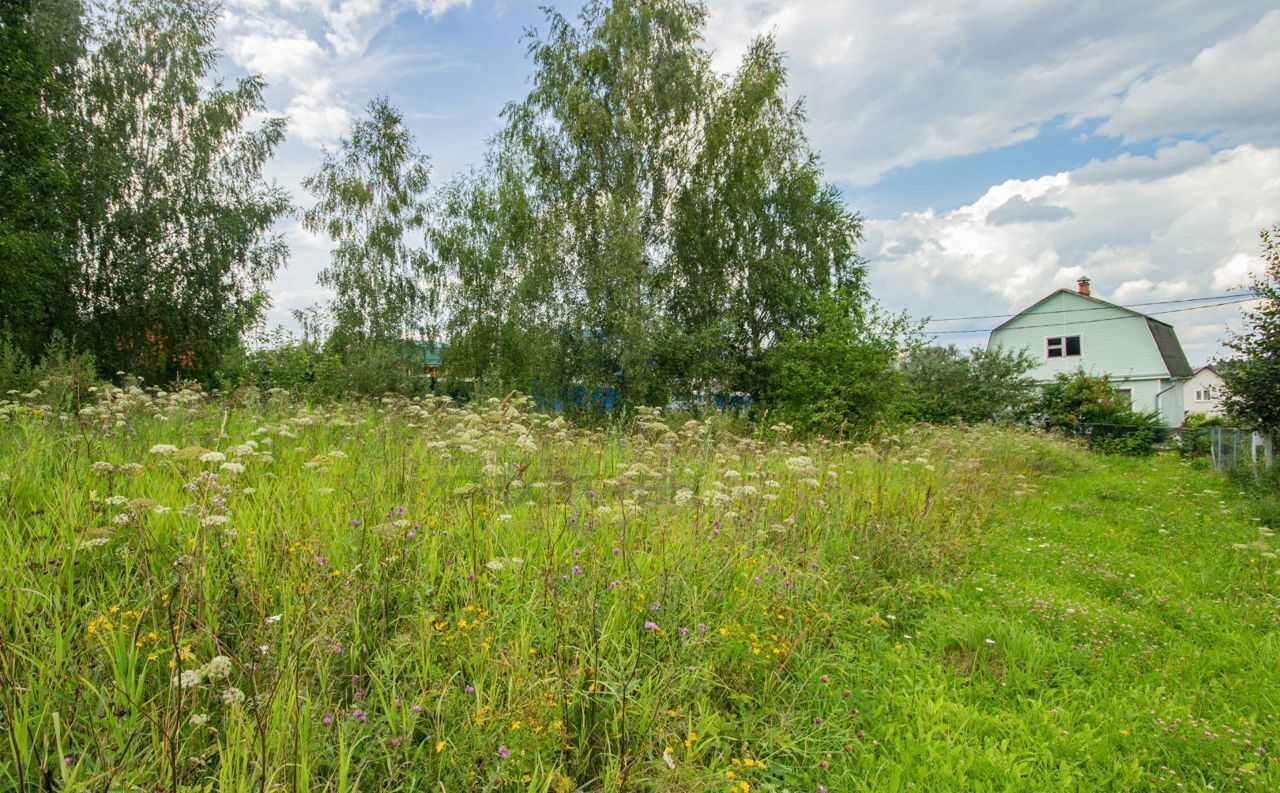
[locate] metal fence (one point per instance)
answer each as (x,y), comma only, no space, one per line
(1233,449)
(1230,448)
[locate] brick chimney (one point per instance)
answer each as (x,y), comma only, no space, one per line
(1082,285)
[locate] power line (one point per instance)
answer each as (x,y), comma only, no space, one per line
(1105,319)
(1097,308)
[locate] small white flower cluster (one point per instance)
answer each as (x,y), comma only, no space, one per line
(213,457)
(800,463)
(499,563)
(165,449)
(218,668)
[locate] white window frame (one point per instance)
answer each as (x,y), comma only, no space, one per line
(1061,346)
(1204,393)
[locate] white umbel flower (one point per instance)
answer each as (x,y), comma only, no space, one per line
(218,668)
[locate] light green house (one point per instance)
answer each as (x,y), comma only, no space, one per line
(1067,331)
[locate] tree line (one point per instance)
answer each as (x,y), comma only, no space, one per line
(640,223)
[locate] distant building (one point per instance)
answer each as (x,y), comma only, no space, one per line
(1203,392)
(1071,330)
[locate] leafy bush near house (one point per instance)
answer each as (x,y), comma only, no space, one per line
(1087,405)
(1134,433)
(1198,420)
(949,385)
(1079,398)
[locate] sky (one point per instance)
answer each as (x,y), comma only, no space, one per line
(996,149)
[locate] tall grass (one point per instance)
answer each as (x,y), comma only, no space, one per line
(244,593)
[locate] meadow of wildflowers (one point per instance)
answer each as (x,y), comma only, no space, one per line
(251,593)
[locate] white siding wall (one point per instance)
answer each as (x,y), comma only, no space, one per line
(1204,379)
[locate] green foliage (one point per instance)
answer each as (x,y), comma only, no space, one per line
(370,194)
(757,235)
(1253,381)
(324,372)
(1080,398)
(1135,433)
(1088,405)
(61,377)
(35,188)
(137,220)
(1198,420)
(174,233)
(948,385)
(837,376)
(641,223)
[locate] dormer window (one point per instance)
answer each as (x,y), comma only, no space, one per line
(1062,346)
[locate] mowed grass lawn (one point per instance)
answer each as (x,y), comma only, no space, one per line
(1115,628)
(256,594)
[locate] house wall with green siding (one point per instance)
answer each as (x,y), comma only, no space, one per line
(1113,341)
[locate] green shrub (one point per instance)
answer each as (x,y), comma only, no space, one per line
(950,386)
(1086,405)
(1130,433)
(837,378)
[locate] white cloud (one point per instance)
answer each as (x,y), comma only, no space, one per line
(276,50)
(1176,234)
(891,84)
(317,115)
(315,53)
(436,8)
(1230,87)
(1168,160)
